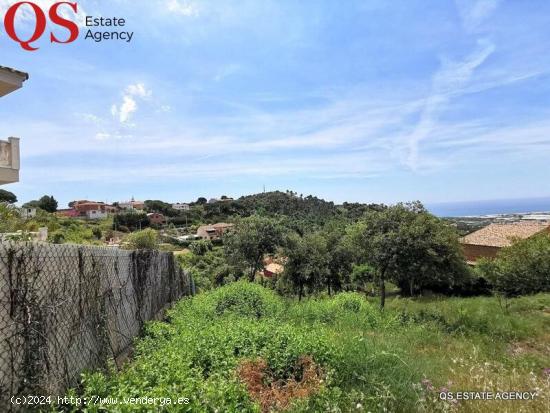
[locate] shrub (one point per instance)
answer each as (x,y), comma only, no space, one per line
(203,356)
(201,247)
(347,307)
(520,269)
(57,238)
(246,299)
(97,233)
(352,302)
(146,239)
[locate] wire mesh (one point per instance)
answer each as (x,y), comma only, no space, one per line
(67,308)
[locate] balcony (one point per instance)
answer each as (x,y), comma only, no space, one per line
(9,161)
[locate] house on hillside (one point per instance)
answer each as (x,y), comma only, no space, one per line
(10,80)
(486,242)
(87,209)
(273,266)
(96,214)
(69,213)
(214,231)
(181,207)
(92,209)
(28,213)
(274,269)
(156,218)
(132,205)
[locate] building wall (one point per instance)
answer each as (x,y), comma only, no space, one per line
(204,234)
(9,161)
(28,213)
(474,252)
(96,214)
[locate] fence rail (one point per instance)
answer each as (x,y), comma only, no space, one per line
(67,308)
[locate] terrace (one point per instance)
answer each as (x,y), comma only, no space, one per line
(10,80)
(9,161)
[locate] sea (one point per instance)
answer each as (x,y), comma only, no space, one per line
(491,207)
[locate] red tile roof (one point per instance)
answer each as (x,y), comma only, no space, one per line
(502,235)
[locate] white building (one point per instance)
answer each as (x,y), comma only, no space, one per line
(10,80)
(96,214)
(181,207)
(132,205)
(28,213)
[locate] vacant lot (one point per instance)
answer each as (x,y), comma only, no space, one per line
(242,348)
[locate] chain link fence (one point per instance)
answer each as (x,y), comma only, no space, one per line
(68,308)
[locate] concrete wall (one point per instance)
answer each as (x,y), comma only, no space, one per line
(9,161)
(66,308)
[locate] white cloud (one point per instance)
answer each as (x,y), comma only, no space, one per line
(89,117)
(139,90)
(129,103)
(25,13)
(474,12)
(448,82)
(183,8)
(128,107)
(103,136)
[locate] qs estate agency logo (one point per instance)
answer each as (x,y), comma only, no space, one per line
(64,17)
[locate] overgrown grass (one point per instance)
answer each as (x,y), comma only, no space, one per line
(242,348)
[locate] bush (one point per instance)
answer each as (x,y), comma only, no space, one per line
(201,357)
(521,269)
(344,307)
(201,247)
(247,300)
(143,240)
(351,302)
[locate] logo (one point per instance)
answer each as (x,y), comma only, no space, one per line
(40,22)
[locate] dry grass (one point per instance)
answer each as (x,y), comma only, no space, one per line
(536,345)
(274,394)
(476,375)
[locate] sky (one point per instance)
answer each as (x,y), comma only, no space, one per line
(369,101)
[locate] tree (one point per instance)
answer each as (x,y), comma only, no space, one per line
(341,255)
(411,247)
(307,262)
(46,203)
(9,218)
(523,268)
(250,240)
(201,200)
(161,207)
(132,220)
(7,196)
(361,275)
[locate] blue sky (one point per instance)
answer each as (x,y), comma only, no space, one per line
(378,101)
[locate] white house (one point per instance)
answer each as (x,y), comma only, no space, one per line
(28,213)
(10,80)
(181,207)
(96,214)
